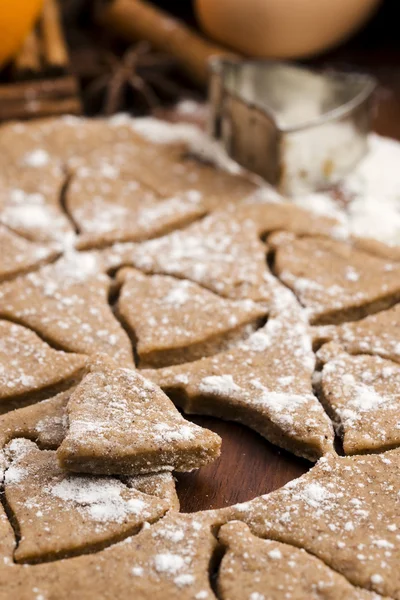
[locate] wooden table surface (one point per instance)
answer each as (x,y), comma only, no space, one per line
(249,466)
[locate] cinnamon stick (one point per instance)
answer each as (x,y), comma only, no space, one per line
(24,100)
(135,20)
(39,108)
(59,87)
(55,51)
(27,62)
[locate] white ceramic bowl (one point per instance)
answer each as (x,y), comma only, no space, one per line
(282,28)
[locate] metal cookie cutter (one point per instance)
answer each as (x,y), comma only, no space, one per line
(300,130)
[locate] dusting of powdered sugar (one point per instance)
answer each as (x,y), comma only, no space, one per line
(14,474)
(37,158)
(168,563)
(316,495)
(372,191)
(318,156)
(100,498)
(15,451)
(219,384)
(179,294)
(365,398)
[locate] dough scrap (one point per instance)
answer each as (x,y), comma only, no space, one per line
(222,253)
(59,514)
(29,368)
(177,321)
(345,511)
(259,569)
(344,284)
(120,423)
(264,382)
(169,560)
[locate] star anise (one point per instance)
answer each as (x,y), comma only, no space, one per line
(140,74)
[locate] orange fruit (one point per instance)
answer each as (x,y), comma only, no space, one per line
(16,20)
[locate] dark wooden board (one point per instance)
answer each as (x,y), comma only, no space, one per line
(249,466)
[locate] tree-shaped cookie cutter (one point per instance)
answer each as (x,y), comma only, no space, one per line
(298,129)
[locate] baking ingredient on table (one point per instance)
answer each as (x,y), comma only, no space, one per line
(16,19)
(317,157)
(371,194)
(282,28)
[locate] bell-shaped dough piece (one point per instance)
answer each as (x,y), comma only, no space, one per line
(345,511)
(58,514)
(67,303)
(120,423)
(362,394)
(377,334)
(177,321)
(219,252)
(30,369)
(255,568)
(335,281)
(18,255)
(264,383)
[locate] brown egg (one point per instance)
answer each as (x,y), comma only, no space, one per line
(282,28)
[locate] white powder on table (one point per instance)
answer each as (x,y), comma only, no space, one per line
(372,193)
